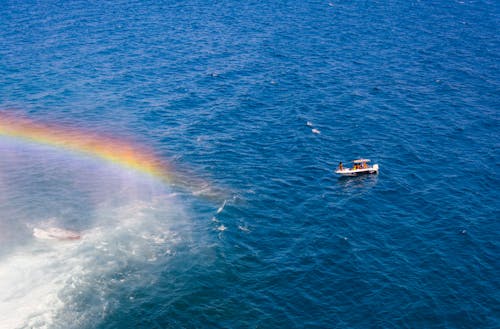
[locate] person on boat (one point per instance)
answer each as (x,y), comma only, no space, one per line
(341,166)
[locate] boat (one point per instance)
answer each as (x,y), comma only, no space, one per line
(360,167)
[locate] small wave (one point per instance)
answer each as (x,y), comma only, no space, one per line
(221,207)
(243,228)
(55,233)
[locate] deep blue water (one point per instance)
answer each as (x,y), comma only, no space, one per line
(223,91)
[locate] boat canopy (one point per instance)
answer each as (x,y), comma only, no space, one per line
(361,160)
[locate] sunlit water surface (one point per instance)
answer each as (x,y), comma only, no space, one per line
(255,231)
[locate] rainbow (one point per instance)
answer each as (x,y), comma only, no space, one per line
(126,154)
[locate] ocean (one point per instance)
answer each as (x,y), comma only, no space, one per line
(170,164)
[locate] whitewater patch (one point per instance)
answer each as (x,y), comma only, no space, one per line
(55,233)
(49,283)
(221,208)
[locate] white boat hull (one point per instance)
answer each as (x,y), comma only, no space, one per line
(355,172)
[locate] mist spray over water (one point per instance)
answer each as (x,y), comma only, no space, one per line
(128,225)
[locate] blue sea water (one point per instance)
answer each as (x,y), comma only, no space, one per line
(223,91)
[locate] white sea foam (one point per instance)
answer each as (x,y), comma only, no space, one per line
(30,284)
(243,228)
(45,281)
(55,233)
(221,207)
